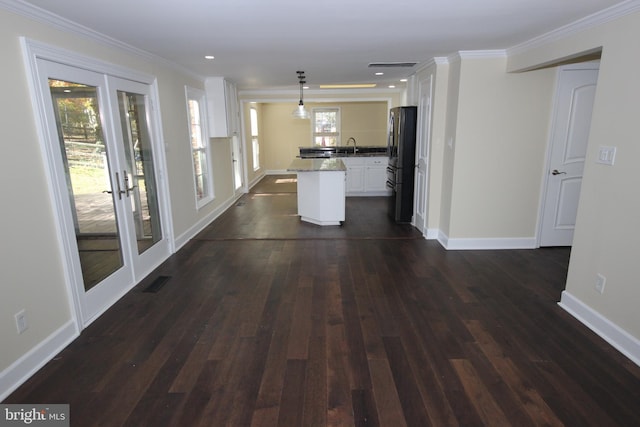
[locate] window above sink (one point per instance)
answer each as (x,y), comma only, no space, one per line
(325,123)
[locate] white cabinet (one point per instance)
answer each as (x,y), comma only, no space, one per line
(222,107)
(321,197)
(355,174)
(375,175)
(366,176)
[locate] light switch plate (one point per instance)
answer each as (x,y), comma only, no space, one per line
(600,282)
(606,155)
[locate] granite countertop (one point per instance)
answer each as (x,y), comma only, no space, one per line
(315,165)
(343,151)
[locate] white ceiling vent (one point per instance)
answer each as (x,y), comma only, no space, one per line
(392,64)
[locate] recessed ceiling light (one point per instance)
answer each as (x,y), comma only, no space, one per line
(349,86)
(392,87)
(208,57)
(403,80)
(379,73)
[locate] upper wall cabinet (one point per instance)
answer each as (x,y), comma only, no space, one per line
(222,106)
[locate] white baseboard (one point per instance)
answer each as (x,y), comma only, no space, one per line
(27,365)
(383,193)
(279,172)
(432,234)
(192,231)
(620,339)
(256,180)
(486,243)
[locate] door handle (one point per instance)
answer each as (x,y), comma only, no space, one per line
(556,172)
(120,192)
(126,184)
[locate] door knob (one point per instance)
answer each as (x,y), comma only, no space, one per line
(556,172)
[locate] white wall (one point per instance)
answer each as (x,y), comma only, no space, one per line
(282,134)
(497,119)
(607,232)
(500,143)
(448,159)
(32,275)
(606,235)
(492,151)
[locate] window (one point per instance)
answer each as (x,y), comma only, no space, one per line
(255,143)
(326,126)
(199,146)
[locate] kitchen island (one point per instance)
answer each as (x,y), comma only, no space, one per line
(366,167)
(321,190)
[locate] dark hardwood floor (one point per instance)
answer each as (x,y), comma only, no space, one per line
(267,321)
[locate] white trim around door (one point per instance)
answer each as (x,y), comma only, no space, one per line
(104,83)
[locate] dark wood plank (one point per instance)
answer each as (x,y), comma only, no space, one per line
(364,408)
(489,411)
(315,389)
(389,408)
(529,398)
(268,321)
(291,405)
(405,383)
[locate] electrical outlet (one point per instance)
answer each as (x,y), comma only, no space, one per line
(600,282)
(21,321)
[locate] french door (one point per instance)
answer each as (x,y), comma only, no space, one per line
(104,173)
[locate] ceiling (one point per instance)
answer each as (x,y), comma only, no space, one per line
(260,44)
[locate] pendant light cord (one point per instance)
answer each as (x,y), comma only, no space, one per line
(301,78)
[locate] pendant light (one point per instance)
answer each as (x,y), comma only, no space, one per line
(301,112)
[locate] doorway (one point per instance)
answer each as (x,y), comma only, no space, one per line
(571,122)
(237,160)
(102,153)
(421,194)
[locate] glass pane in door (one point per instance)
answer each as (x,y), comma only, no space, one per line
(87,174)
(140,174)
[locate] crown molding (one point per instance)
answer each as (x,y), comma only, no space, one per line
(476,54)
(482,54)
(287,94)
(45,17)
(436,60)
(598,18)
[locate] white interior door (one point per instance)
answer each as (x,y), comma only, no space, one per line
(571,122)
(421,193)
(100,152)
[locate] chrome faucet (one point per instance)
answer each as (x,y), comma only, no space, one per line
(355,147)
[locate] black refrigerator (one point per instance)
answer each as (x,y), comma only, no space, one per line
(401,148)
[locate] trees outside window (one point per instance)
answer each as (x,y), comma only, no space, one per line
(326,127)
(199,146)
